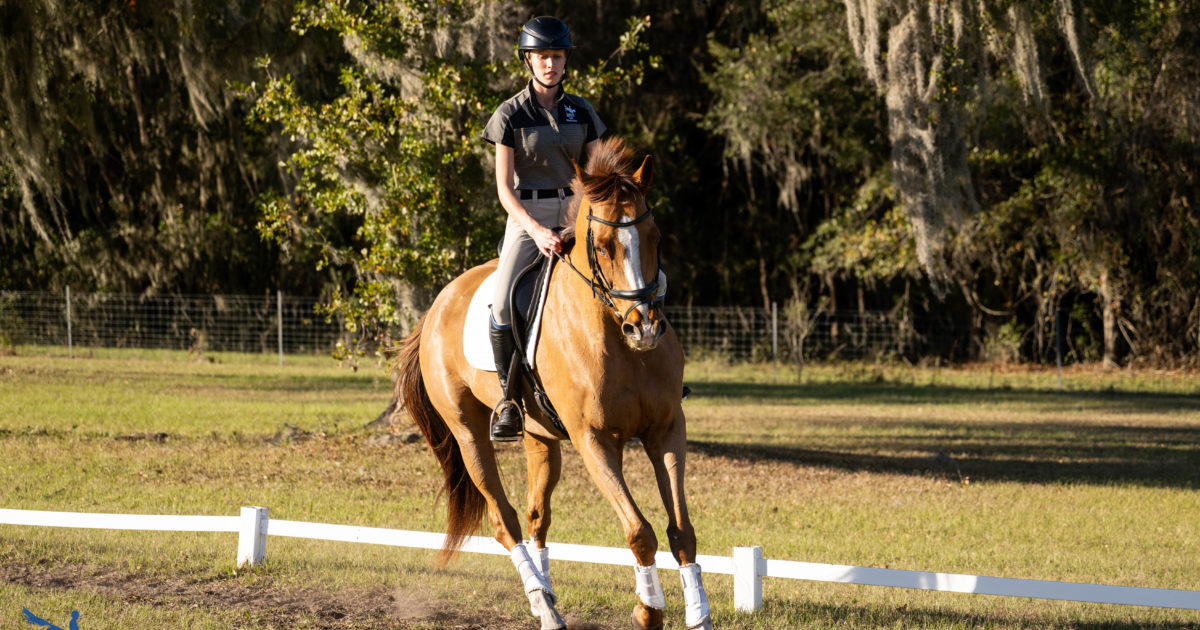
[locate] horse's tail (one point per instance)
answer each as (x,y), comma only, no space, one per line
(466,505)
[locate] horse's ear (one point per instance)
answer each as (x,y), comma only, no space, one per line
(645,172)
(578,175)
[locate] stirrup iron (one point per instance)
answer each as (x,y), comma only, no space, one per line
(500,407)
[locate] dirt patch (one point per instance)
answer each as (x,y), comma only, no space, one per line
(144,437)
(268,602)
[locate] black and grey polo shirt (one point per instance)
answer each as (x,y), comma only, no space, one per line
(544,143)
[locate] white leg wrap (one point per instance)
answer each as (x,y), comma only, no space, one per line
(541,560)
(649,589)
(531,578)
(694,596)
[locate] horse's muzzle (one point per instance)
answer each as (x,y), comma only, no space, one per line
(644,332)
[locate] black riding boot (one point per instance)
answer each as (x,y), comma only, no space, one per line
(508,423)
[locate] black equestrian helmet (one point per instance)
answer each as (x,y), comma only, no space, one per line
(544,33)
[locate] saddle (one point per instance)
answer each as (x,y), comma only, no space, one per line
(528,301)
(528,297)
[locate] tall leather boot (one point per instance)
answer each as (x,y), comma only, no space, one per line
(508,421)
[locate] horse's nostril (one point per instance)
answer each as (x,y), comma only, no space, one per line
(630,331)
(660,329)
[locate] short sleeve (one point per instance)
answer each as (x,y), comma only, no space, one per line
(499,128)
(597,128)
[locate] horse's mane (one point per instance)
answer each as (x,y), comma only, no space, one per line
(608,177)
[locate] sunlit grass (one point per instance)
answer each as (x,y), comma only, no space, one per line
(942,470)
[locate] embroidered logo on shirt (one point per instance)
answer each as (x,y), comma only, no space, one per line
(570,113)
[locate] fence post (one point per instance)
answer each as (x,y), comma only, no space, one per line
(747,579)
(70,344)
(252,537)
(1058,343)
(775,337)
(279,316)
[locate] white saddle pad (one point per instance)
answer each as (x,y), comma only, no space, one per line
(477,345)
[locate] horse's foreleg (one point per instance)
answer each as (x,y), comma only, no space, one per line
(602,456)
(480,458)
(667,453)
(544,465)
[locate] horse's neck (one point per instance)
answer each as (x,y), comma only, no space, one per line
(572,295)
(583,313)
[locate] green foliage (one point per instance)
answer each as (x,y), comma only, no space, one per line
(131,158)
(392,178)
(870,239)
(130,168)
(789,106)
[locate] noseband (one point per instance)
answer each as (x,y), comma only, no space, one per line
(602,287)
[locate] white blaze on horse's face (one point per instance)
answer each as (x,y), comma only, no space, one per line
(642,326)
(628,237)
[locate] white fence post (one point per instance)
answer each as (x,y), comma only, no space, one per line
(747,579)
(252,537)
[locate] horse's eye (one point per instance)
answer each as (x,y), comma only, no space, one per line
(602,250)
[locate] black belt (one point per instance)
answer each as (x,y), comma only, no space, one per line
(544,193)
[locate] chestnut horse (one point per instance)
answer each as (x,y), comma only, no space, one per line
(611,365)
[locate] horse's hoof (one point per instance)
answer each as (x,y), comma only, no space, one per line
(542,607)
(646,618)
(705,624)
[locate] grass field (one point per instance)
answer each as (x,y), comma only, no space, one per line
(975,470)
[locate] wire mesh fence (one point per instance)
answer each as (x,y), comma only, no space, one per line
(223,323)
(289,324)
(796,334)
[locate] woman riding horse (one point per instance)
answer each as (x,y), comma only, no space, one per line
(538,134)
(612,366)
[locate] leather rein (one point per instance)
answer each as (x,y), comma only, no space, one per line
(602,288)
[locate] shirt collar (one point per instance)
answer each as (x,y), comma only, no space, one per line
(558,95)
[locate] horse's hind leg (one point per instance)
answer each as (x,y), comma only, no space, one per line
(601,454)
(477,447)
(480,456)
(544,465)
(667,452)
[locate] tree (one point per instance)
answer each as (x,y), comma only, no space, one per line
(127,160)
(1040,149)
(392,178)
(800,147)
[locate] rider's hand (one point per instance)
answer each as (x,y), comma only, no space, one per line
(547,240)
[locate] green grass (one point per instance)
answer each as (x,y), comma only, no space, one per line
(981,471)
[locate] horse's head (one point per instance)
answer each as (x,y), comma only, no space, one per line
(622,241)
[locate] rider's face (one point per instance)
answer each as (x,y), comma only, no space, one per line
(548,65)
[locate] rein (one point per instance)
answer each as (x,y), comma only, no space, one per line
(601,286)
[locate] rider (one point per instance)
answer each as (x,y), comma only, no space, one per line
(538,133)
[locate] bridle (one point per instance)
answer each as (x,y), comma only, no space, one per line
(602,287)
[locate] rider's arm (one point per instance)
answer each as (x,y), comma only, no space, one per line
(542,236)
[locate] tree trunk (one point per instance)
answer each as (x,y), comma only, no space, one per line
(1108,307)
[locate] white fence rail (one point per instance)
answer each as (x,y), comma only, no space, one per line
(747,565)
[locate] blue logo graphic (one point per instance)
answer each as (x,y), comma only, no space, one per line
(38,621)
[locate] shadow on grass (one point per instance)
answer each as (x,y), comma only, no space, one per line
(899,394)
(1091,462)
(364,381)
(867,616)
(1159,455)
